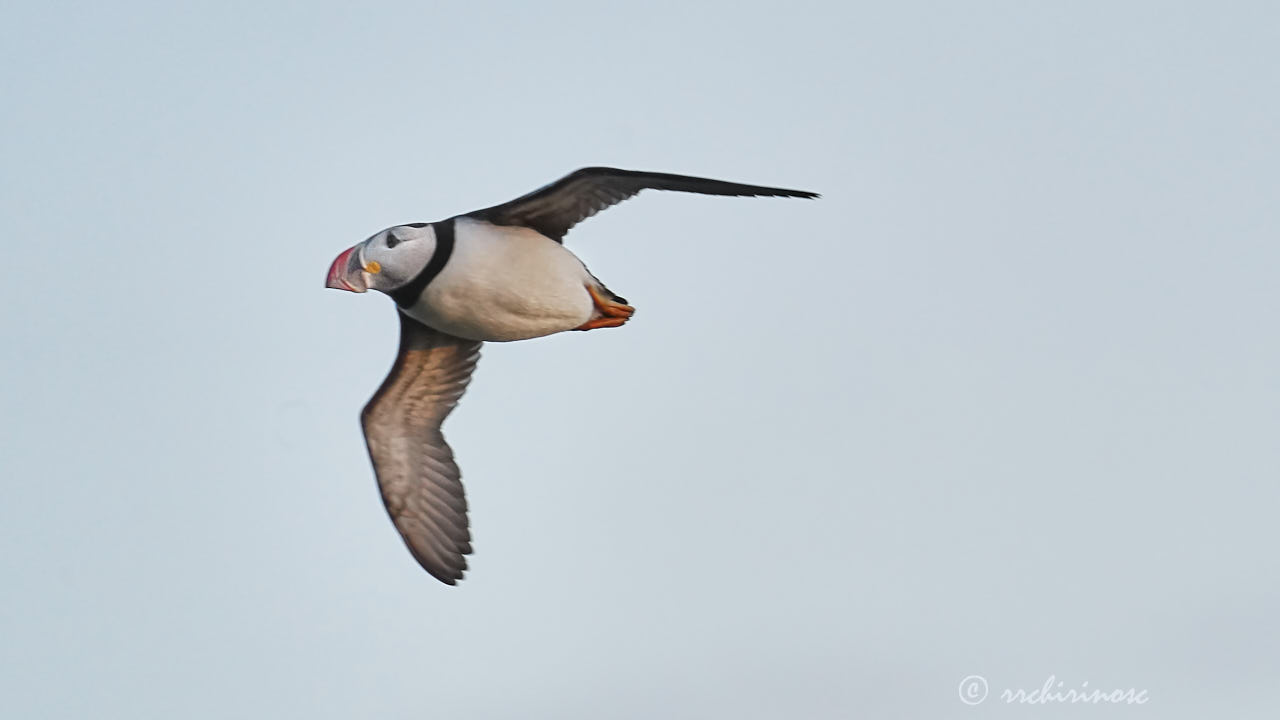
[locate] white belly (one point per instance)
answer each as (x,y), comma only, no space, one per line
(505,283)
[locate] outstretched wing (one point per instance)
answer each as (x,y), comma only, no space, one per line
(553,209)
(420,482)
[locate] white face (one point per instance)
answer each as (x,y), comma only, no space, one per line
(396,255)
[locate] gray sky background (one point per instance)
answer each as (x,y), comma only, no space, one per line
(1004,402)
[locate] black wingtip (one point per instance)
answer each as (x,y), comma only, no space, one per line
(783,193)
(446,577)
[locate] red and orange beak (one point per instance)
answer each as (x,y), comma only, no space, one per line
(345,273)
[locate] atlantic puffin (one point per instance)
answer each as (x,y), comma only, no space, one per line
(498,274)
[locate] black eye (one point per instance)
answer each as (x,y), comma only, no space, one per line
(392,241)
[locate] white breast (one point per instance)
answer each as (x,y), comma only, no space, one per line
(505,283)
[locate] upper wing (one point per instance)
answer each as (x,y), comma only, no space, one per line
(553,209)
(420,482)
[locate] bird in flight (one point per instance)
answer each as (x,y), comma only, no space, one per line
(497,274)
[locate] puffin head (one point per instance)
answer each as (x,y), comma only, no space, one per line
(385,261)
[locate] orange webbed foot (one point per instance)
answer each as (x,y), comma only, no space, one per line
(612,312)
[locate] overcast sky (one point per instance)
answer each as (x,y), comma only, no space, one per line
(1005,402)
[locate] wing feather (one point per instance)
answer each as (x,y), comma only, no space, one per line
(420,482)
(553,209)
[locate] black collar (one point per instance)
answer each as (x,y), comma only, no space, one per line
(409,293)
